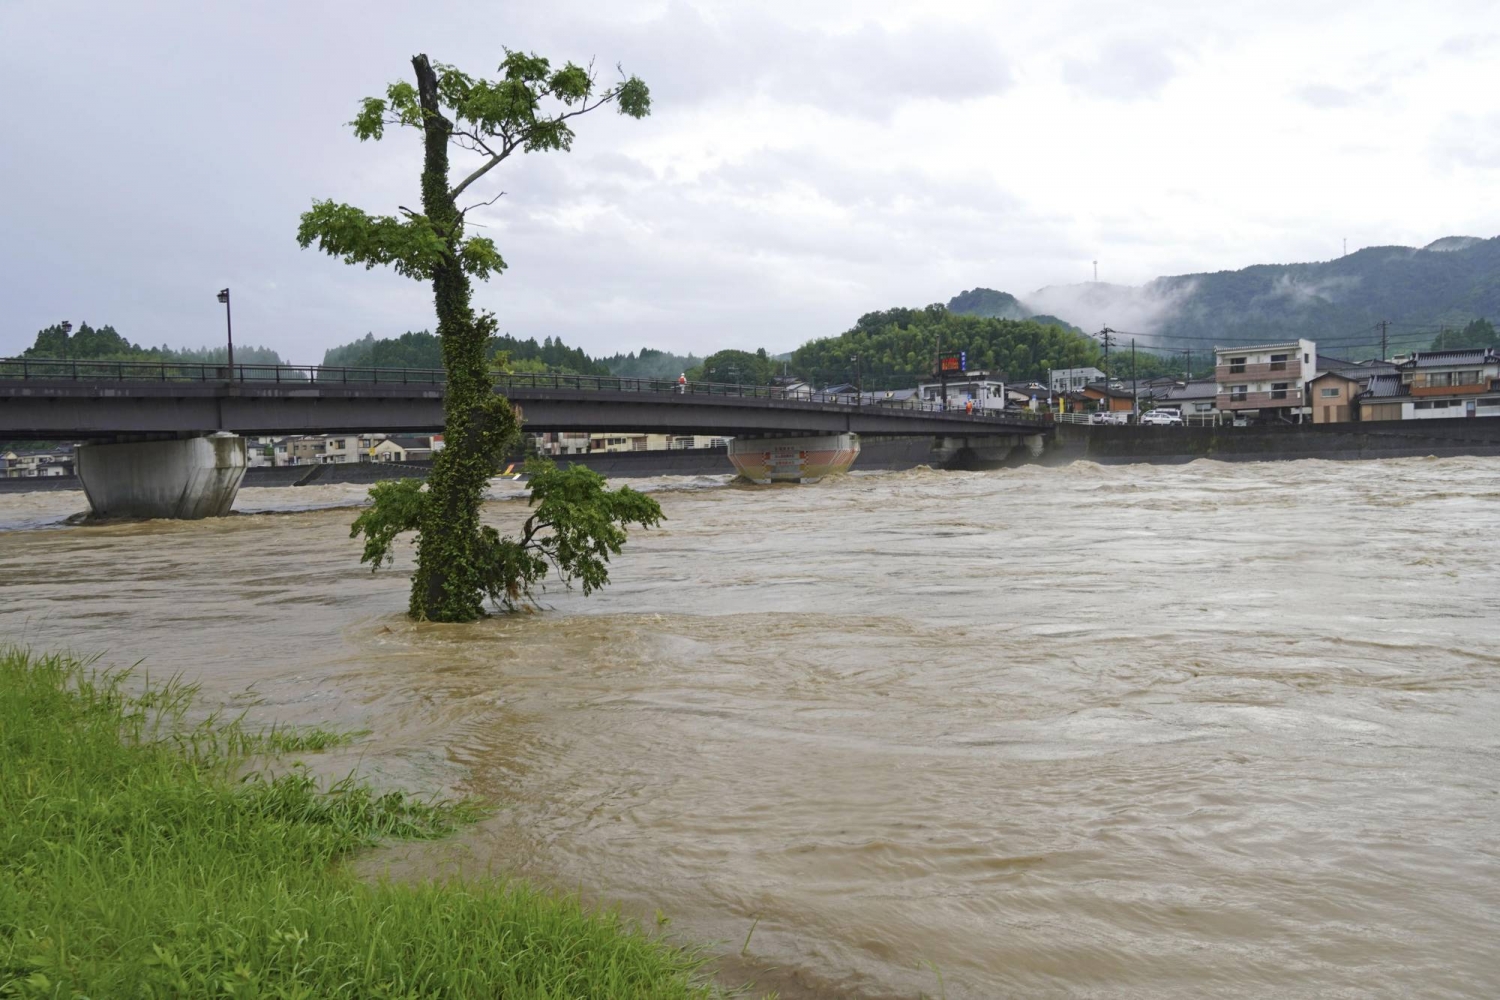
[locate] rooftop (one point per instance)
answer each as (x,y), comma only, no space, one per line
(1238,349)
(1451,359)
(1384,386)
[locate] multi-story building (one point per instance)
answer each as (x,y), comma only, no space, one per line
(1265,382)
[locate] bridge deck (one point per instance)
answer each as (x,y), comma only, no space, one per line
(78,400)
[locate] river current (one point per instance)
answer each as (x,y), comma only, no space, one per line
(1213,729)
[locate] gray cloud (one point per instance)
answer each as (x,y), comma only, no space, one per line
(801,167)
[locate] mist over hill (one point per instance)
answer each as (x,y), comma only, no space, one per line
(1419,292)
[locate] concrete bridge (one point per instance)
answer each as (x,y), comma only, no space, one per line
(150,424)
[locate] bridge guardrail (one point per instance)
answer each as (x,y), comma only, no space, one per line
(79,370)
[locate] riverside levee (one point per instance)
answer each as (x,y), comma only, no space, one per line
(1127,731)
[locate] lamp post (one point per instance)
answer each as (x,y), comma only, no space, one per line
(859,377)
(67,327)
(228,329)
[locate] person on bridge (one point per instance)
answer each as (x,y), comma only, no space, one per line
(682,382)
(969,407)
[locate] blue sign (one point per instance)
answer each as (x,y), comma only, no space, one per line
(963,361)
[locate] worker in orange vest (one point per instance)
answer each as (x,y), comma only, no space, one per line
(682,382)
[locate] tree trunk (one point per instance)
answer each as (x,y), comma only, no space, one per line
(447,586)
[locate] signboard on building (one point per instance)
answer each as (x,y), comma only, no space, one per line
(953,364)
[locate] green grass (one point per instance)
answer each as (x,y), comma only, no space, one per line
(138,860)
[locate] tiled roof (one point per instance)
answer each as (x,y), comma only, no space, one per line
(1353,369)
(1449,359)
(1196,389)
(1384,386)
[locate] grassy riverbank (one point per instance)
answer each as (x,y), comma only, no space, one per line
(137,861)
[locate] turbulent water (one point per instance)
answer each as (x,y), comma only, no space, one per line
(1202,730)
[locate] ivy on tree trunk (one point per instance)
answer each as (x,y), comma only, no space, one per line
(578,524)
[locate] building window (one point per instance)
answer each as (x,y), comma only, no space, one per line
(1439,378)
(1329,393)
(1425,405)
(1278,390)
(1490,401)
(1278,362)
(1236,366)
(1237,393)
(1465,378)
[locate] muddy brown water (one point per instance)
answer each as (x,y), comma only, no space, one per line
(1144,731)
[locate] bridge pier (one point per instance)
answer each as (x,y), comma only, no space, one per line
(803,458)
(186,478)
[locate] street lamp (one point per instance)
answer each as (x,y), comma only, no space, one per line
(67,327)
(859,376)
(228,328)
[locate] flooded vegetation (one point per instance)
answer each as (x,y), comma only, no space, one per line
(1144,731)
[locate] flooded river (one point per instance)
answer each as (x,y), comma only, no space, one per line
(1202,730)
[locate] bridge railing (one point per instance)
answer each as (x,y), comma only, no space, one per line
(79,370)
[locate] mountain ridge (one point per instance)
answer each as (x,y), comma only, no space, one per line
(1417,291)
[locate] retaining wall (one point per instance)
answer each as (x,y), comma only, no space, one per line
(1371,439)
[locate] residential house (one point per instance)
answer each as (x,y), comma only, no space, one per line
(1460,383)
(1098,397)
(37,464)
(1265,382)
(1332,396)
(1382,398)
(402,448)
(1196,399)
(791,385)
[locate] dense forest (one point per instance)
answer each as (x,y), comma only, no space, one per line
(423,350)
(896,347)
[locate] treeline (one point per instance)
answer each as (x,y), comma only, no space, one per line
(105,343)
(424,350)
(650,363)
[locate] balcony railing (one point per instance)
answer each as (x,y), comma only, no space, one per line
(1256,400)
(1266,370)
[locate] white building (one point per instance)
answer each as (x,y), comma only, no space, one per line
(1265,381)
(1074,379)
(986,392)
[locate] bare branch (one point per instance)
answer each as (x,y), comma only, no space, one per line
(483,204)
(505,151)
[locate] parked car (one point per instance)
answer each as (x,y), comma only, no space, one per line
(1162,418)
(1110,417)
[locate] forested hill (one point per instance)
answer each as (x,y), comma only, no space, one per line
(897,347)
(1419,293)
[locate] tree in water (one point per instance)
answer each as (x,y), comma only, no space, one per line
(577,523)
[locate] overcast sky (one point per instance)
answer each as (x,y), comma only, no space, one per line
(805,162)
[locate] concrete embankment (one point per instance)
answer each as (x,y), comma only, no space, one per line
(1375,439)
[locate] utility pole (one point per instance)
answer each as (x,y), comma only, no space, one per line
(1096,272)
(1104,335)
(942,375)
(859,376)
(1384,350)
(1135,395)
